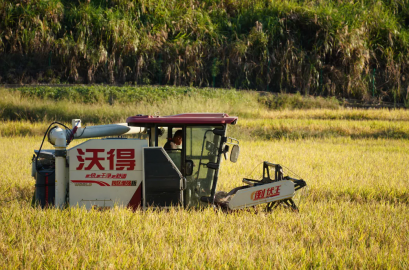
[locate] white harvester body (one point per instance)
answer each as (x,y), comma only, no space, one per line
(106,172)
(140,173)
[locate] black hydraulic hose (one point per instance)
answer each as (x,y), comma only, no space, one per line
(41,146)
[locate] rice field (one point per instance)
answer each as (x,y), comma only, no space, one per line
(354,215)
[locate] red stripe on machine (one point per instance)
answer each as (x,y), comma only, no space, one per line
(101,183)
(136,200)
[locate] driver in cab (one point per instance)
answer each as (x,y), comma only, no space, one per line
(175,142)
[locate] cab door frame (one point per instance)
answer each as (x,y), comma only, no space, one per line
(184,127)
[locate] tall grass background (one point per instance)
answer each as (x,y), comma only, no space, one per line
(353,48)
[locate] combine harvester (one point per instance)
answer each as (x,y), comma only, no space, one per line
(140,173)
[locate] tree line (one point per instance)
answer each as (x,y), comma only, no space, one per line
(355,49)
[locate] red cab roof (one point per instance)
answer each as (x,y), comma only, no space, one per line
(185,118)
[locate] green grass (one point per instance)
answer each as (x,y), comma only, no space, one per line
(280,102)
(26,111)
(42,106)
(101,94)
(305,128)
(265,129)
(101,104)
(341,114)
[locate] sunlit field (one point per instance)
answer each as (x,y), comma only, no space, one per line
(354,215)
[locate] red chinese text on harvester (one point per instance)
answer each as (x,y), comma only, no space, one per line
(119,159)
(265,193)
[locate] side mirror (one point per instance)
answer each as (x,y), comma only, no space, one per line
(234,155)
(189,167)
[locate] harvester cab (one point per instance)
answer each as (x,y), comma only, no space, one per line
(197,159)
(141,173)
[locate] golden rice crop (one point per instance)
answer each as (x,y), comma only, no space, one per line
(355,216)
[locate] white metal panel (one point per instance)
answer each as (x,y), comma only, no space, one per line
(105,172)
(101,193)
(60,182)
(262,194)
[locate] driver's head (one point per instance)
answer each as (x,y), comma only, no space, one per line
(178,137)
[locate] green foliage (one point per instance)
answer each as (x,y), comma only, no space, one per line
(125,94)
(107,104)
(26,111)
(319,48)
(102,104)
(282,101)
(296,129)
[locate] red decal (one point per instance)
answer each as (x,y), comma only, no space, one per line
(121,183)
(111,158)
(101,183)
(261,194)
(80,159)
(107,175)
(95,159)
(125,158)
(274,191)
(136,200)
